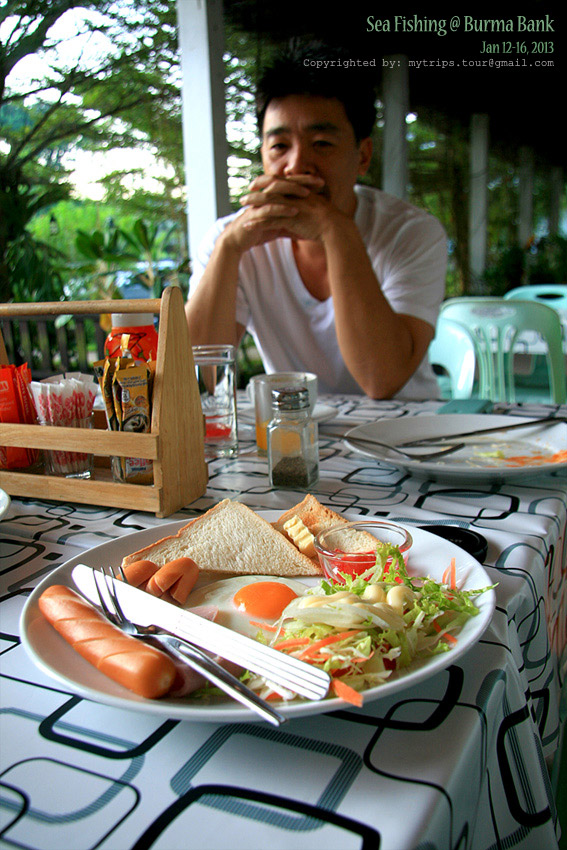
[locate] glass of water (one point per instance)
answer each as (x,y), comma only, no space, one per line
(215,368)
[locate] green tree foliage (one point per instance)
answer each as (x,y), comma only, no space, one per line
(125,96)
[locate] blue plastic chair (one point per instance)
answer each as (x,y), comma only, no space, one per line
(452,350)
(495,325)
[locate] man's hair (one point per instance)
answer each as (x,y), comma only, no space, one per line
(320,71)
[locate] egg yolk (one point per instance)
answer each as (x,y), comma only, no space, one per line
(266,599)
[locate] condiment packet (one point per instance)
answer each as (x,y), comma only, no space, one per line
(16,406)
(126,385)
(131,393)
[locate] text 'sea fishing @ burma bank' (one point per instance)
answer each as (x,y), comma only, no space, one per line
(466,23)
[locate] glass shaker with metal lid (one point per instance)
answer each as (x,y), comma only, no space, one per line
(293,441)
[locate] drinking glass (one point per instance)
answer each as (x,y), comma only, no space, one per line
(215,368)
(260,394)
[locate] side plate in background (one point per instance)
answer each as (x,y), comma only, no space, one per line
(467,465)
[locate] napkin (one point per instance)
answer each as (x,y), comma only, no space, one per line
(65,401)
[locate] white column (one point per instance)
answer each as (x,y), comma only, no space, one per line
(201,42)
(395,96)
(555,192)
(478,197)
(526,189)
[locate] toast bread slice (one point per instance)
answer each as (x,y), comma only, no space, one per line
(231,538)
(316,518)
(312,513)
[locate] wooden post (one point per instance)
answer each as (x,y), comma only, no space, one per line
(478,201)
(396,98)
(555,191)
(525,216)
(201,40)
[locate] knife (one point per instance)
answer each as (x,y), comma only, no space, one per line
(447,437)
(211,670)
(143,609)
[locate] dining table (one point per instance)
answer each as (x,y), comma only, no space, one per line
(459,759)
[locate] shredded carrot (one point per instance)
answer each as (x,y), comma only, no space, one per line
(273,695)
(450,575)
(291,642)
(315,647)
(448,637)
(347,693)
(536,459)
(362,659)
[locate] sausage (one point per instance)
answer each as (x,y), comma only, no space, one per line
(141,668)
(178,577)
(139,572)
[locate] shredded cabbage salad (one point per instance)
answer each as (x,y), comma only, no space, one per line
(373,624)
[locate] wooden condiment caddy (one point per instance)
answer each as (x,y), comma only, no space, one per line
(175,443)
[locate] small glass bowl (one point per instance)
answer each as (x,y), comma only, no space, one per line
(331,543)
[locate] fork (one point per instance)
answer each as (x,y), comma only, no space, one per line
(182,651)
(446,450)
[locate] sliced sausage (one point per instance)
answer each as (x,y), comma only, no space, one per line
(140,572)
(178,577)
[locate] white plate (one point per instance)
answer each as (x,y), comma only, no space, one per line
(429,555)
(321,412)
(4,503)
(468,464)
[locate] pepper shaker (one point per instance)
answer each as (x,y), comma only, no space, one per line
(293,442)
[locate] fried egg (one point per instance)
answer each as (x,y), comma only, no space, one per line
(248,604)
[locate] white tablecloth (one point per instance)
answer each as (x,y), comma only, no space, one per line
(458,761)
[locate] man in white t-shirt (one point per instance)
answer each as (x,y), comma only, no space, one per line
(328,276)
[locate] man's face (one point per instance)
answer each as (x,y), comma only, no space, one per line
(312,135)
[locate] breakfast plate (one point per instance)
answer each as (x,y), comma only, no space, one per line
(4,503)
(490,457)
(430,555)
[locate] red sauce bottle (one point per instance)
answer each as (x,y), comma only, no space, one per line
(143,338)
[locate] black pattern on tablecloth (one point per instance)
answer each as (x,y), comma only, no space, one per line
(137,781)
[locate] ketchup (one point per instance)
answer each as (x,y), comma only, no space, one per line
(215,431)
(354,564)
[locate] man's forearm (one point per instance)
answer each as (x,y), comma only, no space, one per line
(211,309)
(380,347)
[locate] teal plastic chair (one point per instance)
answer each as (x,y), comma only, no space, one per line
(453,358)
(495,325)
(552,294)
